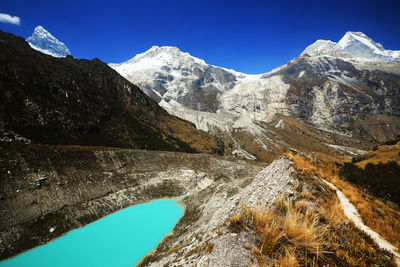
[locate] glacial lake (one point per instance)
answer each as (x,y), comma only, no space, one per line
(120,239)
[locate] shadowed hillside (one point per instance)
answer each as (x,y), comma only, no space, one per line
(69,101)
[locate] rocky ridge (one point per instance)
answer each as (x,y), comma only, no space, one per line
(277,177)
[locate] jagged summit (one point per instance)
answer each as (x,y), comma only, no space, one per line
(45,42)
(354,45)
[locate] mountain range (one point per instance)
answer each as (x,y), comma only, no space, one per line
(348,91)
(328,85)
(349,88)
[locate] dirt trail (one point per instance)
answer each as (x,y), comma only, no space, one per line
(352,214)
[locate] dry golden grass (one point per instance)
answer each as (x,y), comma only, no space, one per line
(290,236)
(383,154)
(289,260)
(235,220)
(331,210)
(206,247)
(310,230)
(301,205)
(281,204)
(209,247)
(282,230)
(305,194)
(388,225)
(301,231)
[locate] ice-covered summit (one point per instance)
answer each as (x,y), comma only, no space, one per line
(45,42)
(354,45)
(157,57)
(166,73)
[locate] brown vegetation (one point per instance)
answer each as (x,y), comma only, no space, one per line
(374,213)
(381,154)
(292,234)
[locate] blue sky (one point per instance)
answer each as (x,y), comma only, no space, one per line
(248,36)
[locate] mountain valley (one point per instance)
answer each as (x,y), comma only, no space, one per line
(261,163)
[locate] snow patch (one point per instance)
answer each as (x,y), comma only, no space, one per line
(240,153)
(280,124)
(351,150)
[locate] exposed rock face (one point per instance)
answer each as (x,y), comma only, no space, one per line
(330,85)
(45,42)
(324,91)
(69,101)
(265,140)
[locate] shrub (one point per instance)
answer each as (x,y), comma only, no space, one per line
(381,180)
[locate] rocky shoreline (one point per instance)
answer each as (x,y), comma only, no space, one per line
(47,191)
(200,239)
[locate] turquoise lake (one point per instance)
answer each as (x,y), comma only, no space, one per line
(119,239)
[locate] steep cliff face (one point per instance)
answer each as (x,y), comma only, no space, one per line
(68,101)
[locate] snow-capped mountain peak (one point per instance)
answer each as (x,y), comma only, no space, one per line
(166,73)
(45,42)
(351,37)
(311,87)
(354,45)
(157,57)
(319,47)
(360,45)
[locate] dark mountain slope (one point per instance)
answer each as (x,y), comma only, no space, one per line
(68,101)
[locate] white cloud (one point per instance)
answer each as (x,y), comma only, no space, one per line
(9,19)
